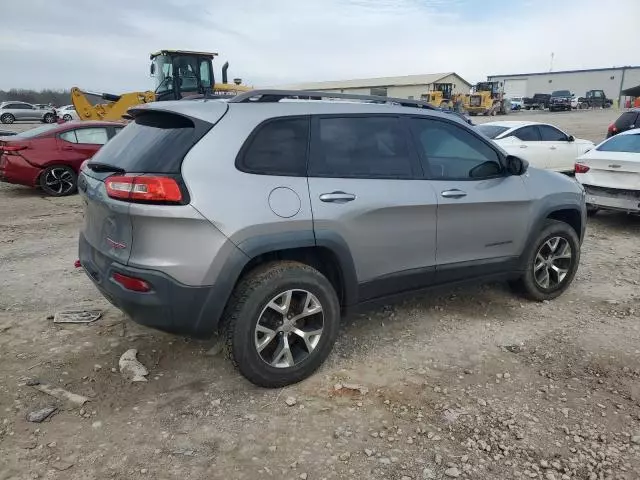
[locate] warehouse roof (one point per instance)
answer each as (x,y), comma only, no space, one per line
(565,71)
(425,79)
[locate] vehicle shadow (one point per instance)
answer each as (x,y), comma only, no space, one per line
(616,221)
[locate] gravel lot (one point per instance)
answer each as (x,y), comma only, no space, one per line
(469,383)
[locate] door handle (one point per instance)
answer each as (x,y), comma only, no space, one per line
(66,147)
(455,193)
(552,148)
(523,146)
(337,197)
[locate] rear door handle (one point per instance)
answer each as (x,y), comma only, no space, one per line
(552,148)
(455,193)
(523,146)
(67,148)
(337,197)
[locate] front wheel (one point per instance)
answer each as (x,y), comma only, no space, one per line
(49,118)
(280,324)
(551,262)
(7,118)
(59,181)
(67,117)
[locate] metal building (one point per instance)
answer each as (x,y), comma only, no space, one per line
(612,80)
(408,86)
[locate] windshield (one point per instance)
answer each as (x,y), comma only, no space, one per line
(622,143)
(163,74)
(34,132)
(491,131)
(561,93)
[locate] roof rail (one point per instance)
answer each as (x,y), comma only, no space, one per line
(271,96)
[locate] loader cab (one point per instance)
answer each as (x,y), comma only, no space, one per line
(445,88)
(180,73)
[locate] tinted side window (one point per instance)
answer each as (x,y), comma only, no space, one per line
(527,134)
(94,136)
(361,147)
(550,134)
(69,136)
(451,152)
(278,147)
(626,119)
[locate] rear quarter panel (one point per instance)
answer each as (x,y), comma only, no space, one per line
(238,203)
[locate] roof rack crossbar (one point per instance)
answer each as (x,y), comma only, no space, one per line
(270,96)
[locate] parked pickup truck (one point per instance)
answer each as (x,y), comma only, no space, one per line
(560,100)
(595,98)
(539,101)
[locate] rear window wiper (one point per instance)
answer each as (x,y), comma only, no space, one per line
(104,167)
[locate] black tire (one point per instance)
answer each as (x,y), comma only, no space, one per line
(7,118)
(67,117)
(49,118)
(248,305)
(592,210)
(527,285)
(58,181)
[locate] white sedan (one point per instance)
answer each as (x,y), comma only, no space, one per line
(540,144)
(610,173)
(68,112)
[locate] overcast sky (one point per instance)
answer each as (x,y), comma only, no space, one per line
(105,45)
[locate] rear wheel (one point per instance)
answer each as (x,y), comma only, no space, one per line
(551,263)
(49,118)
(66,117)
(281,323)
(59,181)
(7,118)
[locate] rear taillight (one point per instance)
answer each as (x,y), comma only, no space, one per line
(144,189)
(12,149)
(581,168)
(612,128)
(131,283)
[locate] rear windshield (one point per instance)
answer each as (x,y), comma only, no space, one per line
(34,132)
(622,143)
(155,142)
(561,93)
(491,131)
(626,119)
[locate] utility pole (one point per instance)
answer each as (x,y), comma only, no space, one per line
(551,63)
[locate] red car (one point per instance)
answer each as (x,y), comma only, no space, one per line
(49,157)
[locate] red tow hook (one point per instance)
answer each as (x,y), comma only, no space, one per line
(77,264)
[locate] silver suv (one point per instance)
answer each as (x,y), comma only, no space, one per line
(266,217)
(11,112)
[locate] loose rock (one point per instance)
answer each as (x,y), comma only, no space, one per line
(290,401)
(41,415)
(131,368)
(452,472)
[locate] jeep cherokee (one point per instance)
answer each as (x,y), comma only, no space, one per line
(264,218)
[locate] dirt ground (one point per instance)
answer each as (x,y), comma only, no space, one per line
(472,383)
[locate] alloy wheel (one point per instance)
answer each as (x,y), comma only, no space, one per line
(59,180)
(552,263)
(289,328)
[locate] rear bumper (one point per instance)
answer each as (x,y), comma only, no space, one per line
(170,306)
(623,200)
(14,169)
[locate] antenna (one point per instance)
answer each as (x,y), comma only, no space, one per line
(551,63)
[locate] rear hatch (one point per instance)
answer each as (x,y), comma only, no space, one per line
(140,165)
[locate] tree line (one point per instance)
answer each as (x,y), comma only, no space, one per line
(46,96)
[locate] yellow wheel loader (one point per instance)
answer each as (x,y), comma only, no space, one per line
(178,74)
(487,99)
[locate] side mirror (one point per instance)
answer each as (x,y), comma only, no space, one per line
(570,138)
(516,165)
